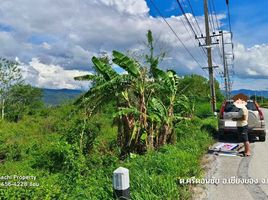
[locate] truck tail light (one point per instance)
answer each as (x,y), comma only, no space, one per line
(222,110)
(260,112)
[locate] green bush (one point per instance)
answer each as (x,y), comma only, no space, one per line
(57,157)
(203,110)
(47,146)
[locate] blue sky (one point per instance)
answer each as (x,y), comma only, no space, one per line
(246,16)
(249,22)
(6,28)
(54,44)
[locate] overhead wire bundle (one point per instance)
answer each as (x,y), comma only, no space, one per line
(193,29)
(176,35)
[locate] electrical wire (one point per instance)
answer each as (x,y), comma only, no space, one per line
(230,29)
(191,28)
(229,18)
(190,25)
(184,14)
(211,18)
(217,20)
(190,5)
(212,26)
(176,35)
(217,74)
(202,53)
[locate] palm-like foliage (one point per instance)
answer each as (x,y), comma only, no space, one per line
(145,98)
(128,64)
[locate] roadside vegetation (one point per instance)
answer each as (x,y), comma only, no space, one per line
(154,122)
(262,101)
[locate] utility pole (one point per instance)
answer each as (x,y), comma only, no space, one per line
(225,70)
(210,67)
(226,63)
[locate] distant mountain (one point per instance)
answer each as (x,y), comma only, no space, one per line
(251,92)
(59,96)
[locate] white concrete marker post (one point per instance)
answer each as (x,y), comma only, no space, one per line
(121,183)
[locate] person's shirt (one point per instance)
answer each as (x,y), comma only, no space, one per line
(243,111)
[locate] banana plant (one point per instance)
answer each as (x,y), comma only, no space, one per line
(186,106)
(139,86)
(111,84)
(167,85)
(145,96)
(107,84)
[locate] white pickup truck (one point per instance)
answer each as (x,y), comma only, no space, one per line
(256,121)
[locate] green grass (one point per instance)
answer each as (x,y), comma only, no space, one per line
(38,146)
(264,105)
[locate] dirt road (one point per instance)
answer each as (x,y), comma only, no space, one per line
(239,169)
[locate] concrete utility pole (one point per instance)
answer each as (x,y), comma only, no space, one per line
(225,72)
(210,67)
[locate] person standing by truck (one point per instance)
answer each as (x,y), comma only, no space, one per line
(240,101)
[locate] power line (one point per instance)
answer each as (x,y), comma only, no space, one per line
(210,66)
(217,21)
(183,12)
(194,16)
(202,53)
(229,18)
(176,35)
(189,23)
(230,29)
(211,16)
(212,11)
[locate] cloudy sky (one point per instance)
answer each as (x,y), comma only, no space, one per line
(54,40)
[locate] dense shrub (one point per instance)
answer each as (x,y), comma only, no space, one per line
(63,171)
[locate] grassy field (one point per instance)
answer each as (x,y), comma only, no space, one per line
(43,146)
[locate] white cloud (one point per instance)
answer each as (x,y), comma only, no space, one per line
(133,7)
(64,35)
(52,76)
(68,33)
(46,45)
(251,62)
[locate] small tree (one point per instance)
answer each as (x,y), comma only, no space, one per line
(22,100)
(10,75)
